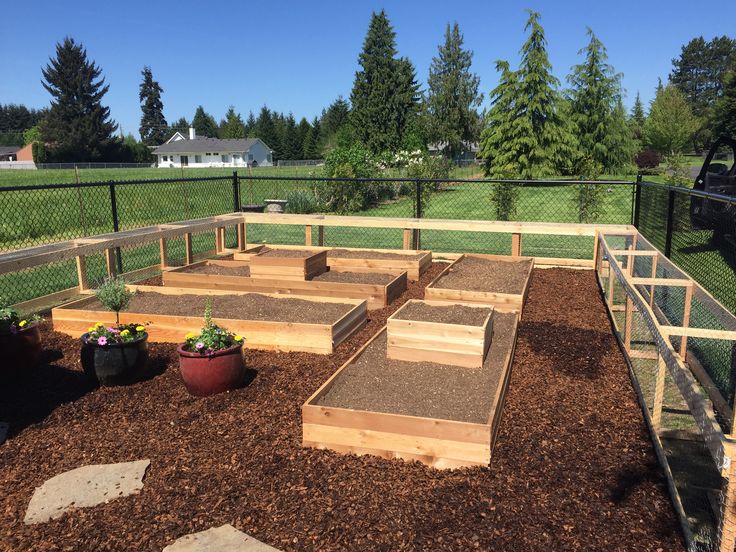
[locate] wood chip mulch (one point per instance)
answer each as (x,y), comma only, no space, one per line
(573,468)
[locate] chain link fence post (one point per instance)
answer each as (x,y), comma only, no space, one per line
(670,223)
(637,201)
(236,192)
(417,237)
(115,224)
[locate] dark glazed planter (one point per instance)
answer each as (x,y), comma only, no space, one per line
(116,364)
(22,351)
(253,208)
(205,375)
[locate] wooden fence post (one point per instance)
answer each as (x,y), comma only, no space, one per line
(654,275)
(308,235)
(163,249)
(658,394)
(686,319)
(407,238)
(82,273)
(242,244)
(219,239)
(188,251)
(110,262)
(516,245)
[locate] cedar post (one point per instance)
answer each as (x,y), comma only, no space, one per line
(407,238)
(611,278)
(82,273)
(658,394)
(242,244)
(516,245)
(163,252)
(686,319)
(308,235)
(219,239)
(110,262)
(188,252)
(654,275)
(727,527)
(320,235)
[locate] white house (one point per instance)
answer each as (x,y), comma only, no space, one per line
(192,151)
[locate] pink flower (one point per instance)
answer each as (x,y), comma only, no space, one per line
(102,340)
(199,345)
(113,330)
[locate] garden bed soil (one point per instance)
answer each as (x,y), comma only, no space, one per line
(368,254)
(573,467)
(355,277)
(376,383)
(478,274)
(291,253)
(219,270)
(250,306)
(450,314)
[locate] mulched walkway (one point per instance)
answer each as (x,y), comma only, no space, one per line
(573,468)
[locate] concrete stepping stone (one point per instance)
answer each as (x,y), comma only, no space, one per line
(84,487)
(225,538)
(4,427)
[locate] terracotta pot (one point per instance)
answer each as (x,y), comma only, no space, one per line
(22,351)
(116,363)
(205,375)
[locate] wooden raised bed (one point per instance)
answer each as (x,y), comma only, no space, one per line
(288,268)
(377,295)
(502,302)
(73,319)
(447,343)
(440,443)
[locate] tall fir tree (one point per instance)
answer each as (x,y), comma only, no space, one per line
(671,124)
(637,119)
(291,147)
(385,93)
(310,148)
(181,126)
(250,124)
(232,126)
(78,126)
(153,128)
(302,129)
(204,124)
(266,130)
(724,110)
(594,98)
(620,142)
(452,95)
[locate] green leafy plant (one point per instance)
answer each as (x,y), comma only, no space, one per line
(114,295)
(11,322)
(301,202)
(589,197)
(111,335)
(211,337)
(505,195)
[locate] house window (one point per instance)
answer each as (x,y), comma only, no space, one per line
(250,157)
(165,158)
(208,154)
(197,158)
(225,158)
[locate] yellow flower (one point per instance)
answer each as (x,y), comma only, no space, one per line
(22,323)
(99,325)
(190,335)
(238,338)
(140,328)
(125,333)
(91,329)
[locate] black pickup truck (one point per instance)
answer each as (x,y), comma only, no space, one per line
(717,178)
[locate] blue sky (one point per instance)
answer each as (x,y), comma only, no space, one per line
(299,56)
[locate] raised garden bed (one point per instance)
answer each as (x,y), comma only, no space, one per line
(496,280)
(432,331)
(379,290)
(266,321)
(415,263)
(430,412)
(283,263)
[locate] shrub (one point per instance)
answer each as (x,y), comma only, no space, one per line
(648,160)
(114,295)
(589,197)
(11,322)
(302,202)
(211,337)
(505,195)
(428,167)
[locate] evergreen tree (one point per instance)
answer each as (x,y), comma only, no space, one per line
(636,122)
(453,95)
(290,143)
(265,130)
(250,124)
(671,124)
(232,126)
(724,111)
(620,142)
(15,119)
(78,126)
(594,98)
(181,126)
(204,124)
(153,127)
(385,93)
(302,129)
(334,117)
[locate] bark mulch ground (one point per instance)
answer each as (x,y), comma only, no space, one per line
(249,306)
(573,468)
(479,274)
(450,314)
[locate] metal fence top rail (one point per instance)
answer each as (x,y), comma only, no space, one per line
(689,191)
(103,183)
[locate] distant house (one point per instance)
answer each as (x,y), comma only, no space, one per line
(192,151)
(469,152)
(9,153)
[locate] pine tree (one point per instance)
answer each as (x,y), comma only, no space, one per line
(302,129)
(499,143)
(265,130)
(204,124)
(232,126)
(181,126)
(638,117)
(291,145)
(671,124)
(385,93)
(724,111)
(153,127)
(250,124)
(594,97)
(78,126)
(620,142)
(453,95)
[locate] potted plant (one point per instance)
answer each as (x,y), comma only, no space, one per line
(20,340)
(212,361)
(115,355)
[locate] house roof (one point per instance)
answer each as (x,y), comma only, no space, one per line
(7,150)
(472,147)
(207,145)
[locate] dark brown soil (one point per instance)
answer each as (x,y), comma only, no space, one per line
(379,384)
(450,314)
(478,274)
(355,277)
(296,253)
(348,254)
(250,306)
(573,467)
(219,270)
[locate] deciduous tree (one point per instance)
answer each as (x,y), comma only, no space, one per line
(671,124)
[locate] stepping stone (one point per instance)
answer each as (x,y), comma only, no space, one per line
(4,427)
(84,487)
(219,539)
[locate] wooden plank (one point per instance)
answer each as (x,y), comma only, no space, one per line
(705,333)
(634,252)
(38,303)
(647,355)
(163,252)
(516,244)
(661,282)
(308,235)
(686,319)
(82,273)
(713,392)
(242,240)
(320,235)
(110,264)
(219,239)
(188,251)
(654,276)
(407,238)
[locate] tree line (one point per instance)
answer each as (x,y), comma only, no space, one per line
(534,126)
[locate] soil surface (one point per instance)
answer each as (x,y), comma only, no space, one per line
(451,314)
(220,270)
(250,306)
(379,384)
(296,253)
(355,277)
(478,274)
(573,467)
(348,254)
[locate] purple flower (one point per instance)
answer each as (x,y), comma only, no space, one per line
(102,340)
(13,329)
(113,330)
(199,345)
